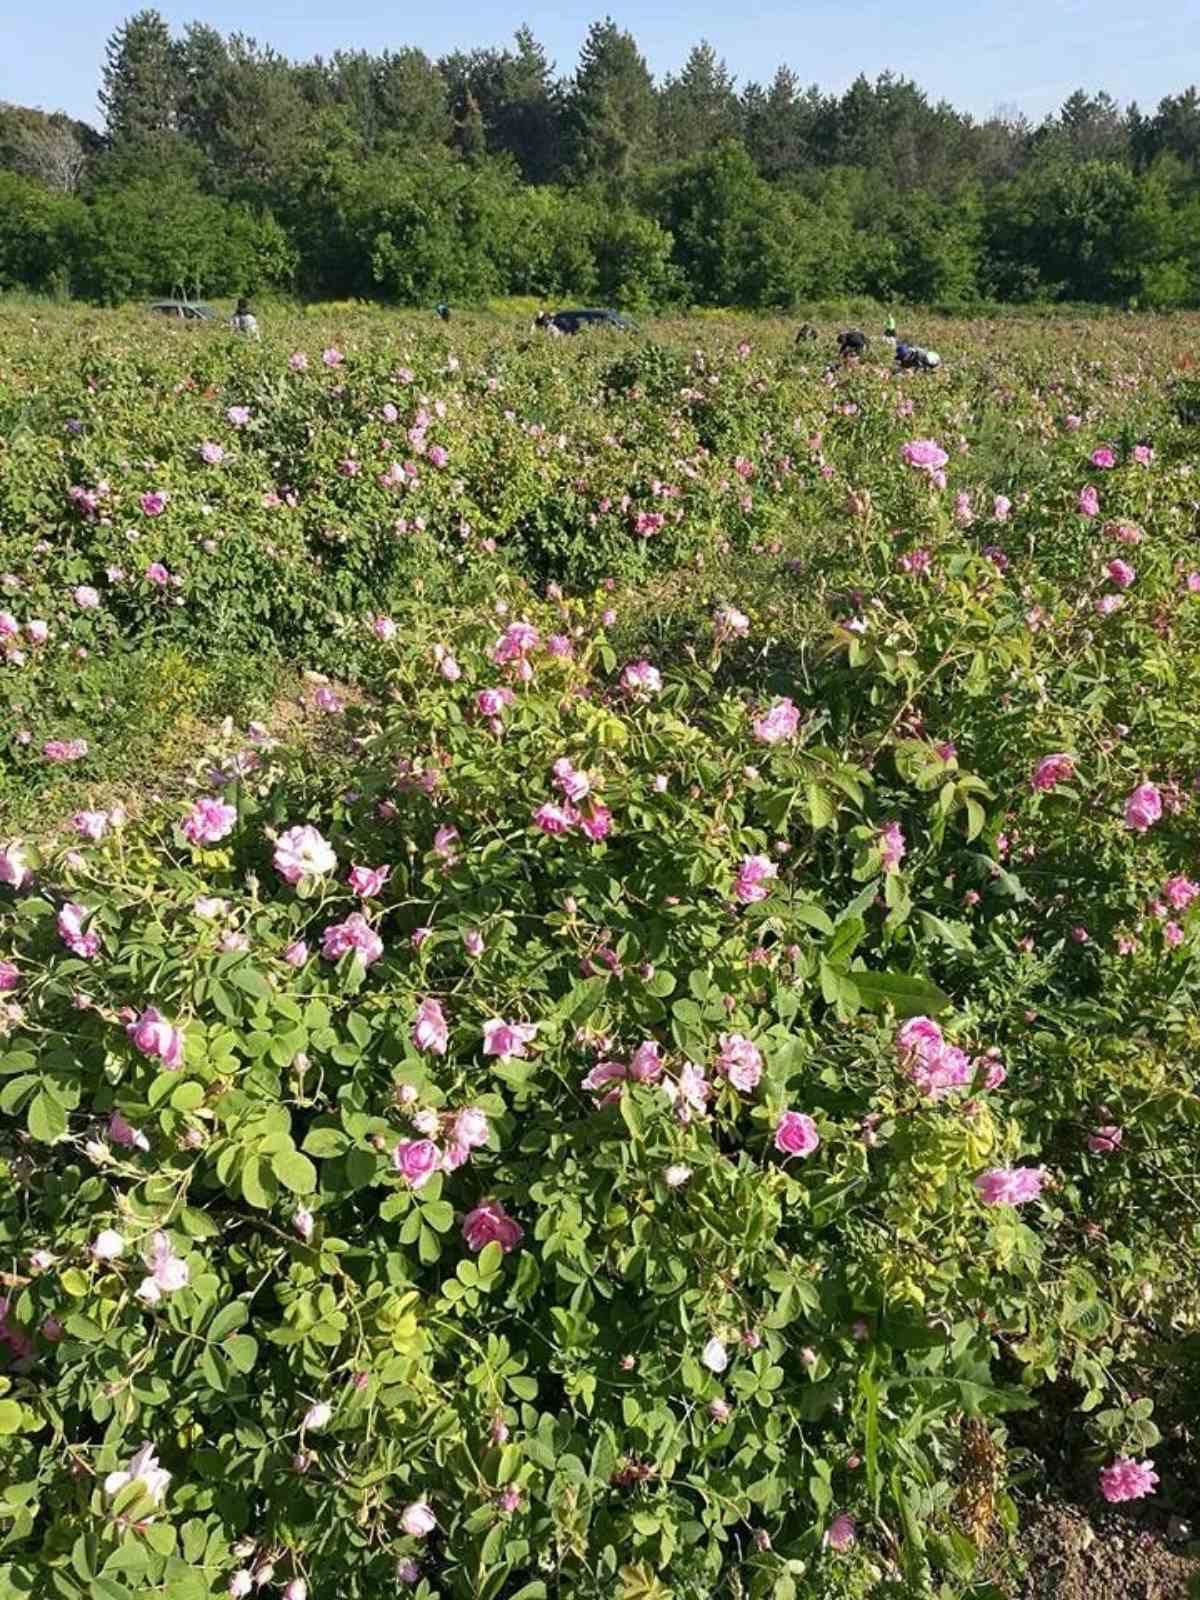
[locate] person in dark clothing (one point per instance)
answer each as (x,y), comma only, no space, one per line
(244,321)
(852,343)
(806,334)
(443,311)
(913,358)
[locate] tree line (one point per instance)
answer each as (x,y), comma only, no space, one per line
(225,167)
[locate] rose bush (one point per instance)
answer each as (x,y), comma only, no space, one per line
(642,1099)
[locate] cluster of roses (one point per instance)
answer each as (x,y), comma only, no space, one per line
(936,1066)
(578,808)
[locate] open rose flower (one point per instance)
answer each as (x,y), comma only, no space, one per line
(489,1223)
(301,852)
(144,1470)
(153,1035)
(429,1030)
(209,821)
(753,877)
(416,1160)
(507,1039)
(1125,1479)
(356,934)
(796,1134)
(1143,808)
(777,724)
(1010,1186)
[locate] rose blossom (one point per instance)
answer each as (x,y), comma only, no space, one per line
(1105,1141)
(418,1520)
(740,1061)
(796,1134)
(1051,770)
(507,1039)
(416,1160)
(489,1223)
(641,679)
(356,933)
(153,1035)
(841,1532)
(754,873)
(301,852)
(208,821)
(429,1029)
(777,724)
(143,1469)
(1010,1186)
(1143,808)
(1125,1479)
(368,881)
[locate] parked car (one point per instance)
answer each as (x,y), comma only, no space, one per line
(573,321)
(187,310)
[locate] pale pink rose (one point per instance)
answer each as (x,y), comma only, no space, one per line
(14,865)
(153,1035)
(154,503)
(891,845)
(1052,770)
(208,821)
(1143,454)
(357,934)
(777,724)
(91,825)
(1143,808)
(107,1245)
(368,881)
(10,977)
(489,1223)
(1125,1479)
(740,1061)
(124,1134)
(572,783)
(1010,1186)
(754,874)
(641,680)
(1001,506)
(507,1039)
(473,942)
(417,1520)
(841,1532)
(296,953)
(1103,457)
(416,1160)
(301,852)
(303,1223)
(470,1128)
(1089,502)
(1180,891)
(796,1134)
(645,1065)
(429,1030)
(71,919)
(925,454)
(37,631)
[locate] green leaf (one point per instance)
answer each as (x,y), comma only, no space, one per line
(661,984)
(12,1416)
(242,1351)
(325,1141)
(47,1121)
(229,1318)
(294,1171)
(821,808)
(908,996)
(258,1184)
(250,981)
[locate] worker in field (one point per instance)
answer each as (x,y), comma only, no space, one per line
(889,328)
(852,344)
(443,310)
(244,321)
(807,333)
(914,358)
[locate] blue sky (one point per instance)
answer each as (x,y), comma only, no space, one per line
(1021,54)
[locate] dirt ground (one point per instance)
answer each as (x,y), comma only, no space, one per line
(1105,1556)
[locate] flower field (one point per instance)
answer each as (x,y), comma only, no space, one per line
(671,1072)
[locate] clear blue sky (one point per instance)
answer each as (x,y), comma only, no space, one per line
(1026,54)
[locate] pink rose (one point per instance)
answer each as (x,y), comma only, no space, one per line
(1052,770)
(1143,808)
(779,723)
(507,1039)
(753,876)
(416,1160)
(1089,502)
(356,933)
(153,1035)
(489,1223)
(740,1061)
(1125,1479)
(418,1520)
(368,881)
(1103,457)
(641,680)
(796,1134)
(891,845)
(429,1030)
(1105,1141)
(1010,1186)
(841,1532)
(301,852)
(208,821)
(1121,573)
(555,819)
